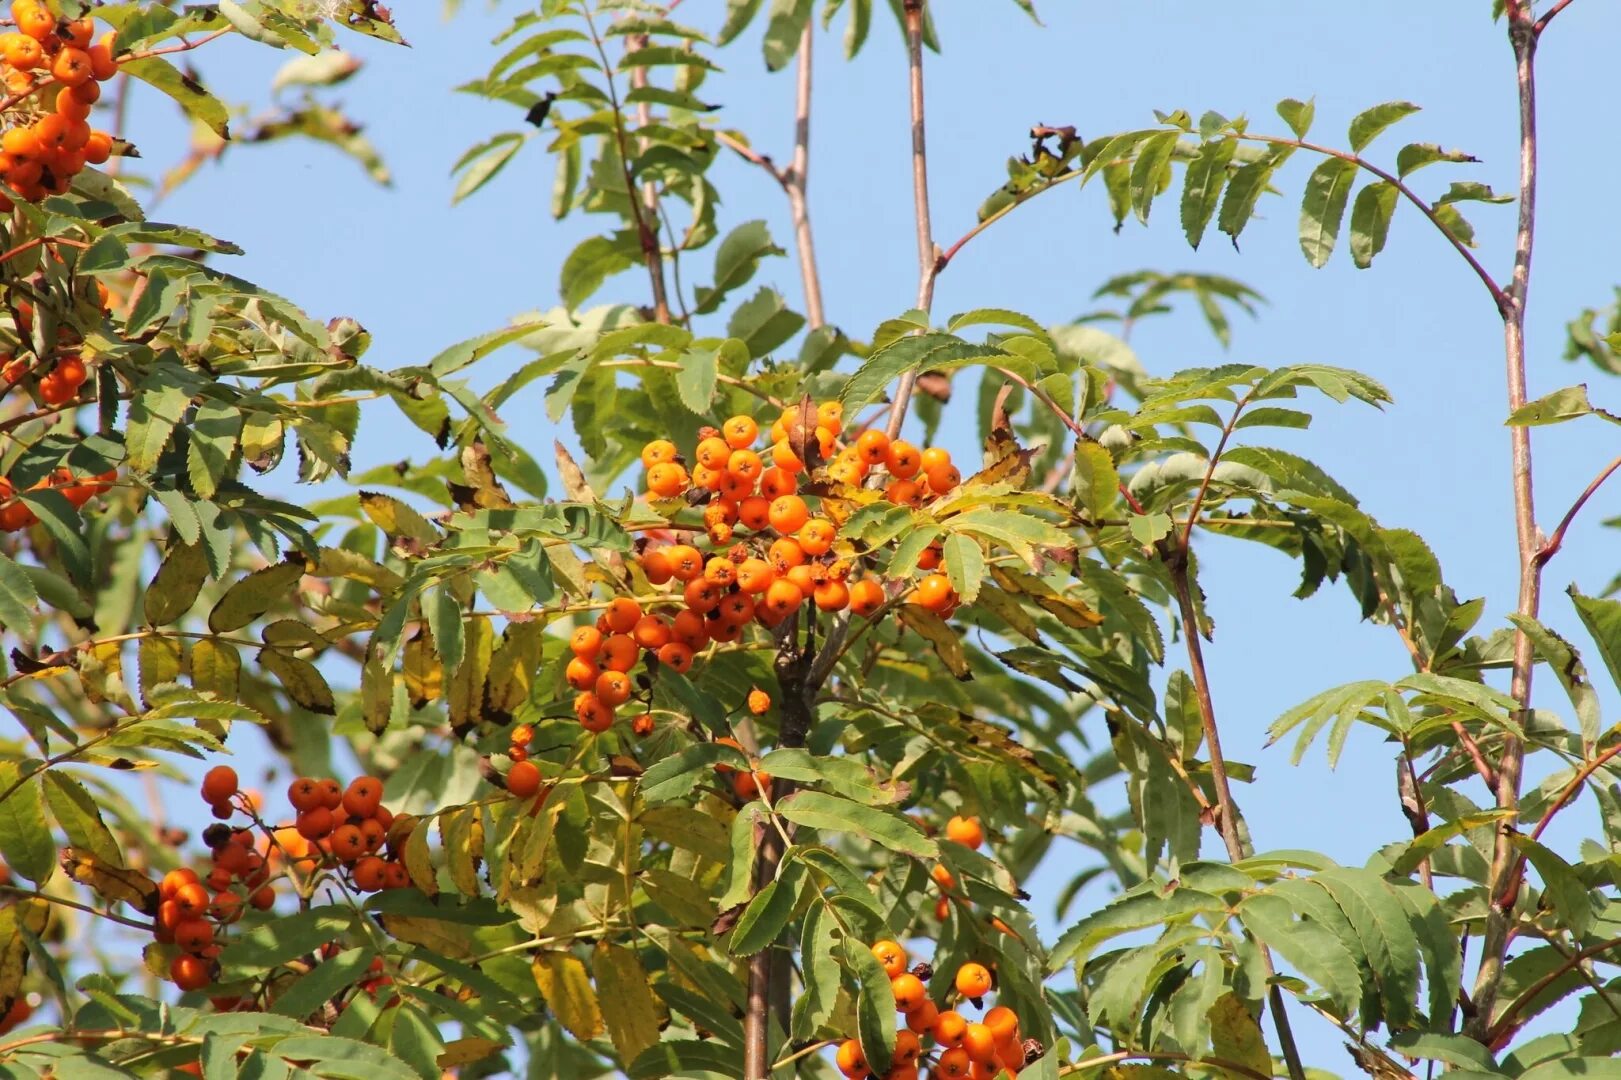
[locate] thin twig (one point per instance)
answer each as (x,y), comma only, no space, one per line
(60,901)
(926,262)
(1505,1024)
(1210,469)
(1542,23)
(1587,769)
(1557,540)
(798,179)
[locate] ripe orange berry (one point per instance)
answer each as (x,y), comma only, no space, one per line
(909,990)
(775,483)
(174,879)
(363,796)
(226,908)
(613,688)
(708,479)
(934,592)
(973,980)
(954,1064)
(740,432)
(369,873)
(923,1018)
(788,514)
(759,702)
(902,460)
(191,899)
(21,51)
(748,785)
(263,898)
(581,674)
(72,67)
(785,554)
(980,1043)
(619,652)
(677,656)
(688,629)
(54,390)
(523,779)
(658,452)
(866,596)
(908,1047)
(102,54)
(190,972)
(315,823)
(712,453)
(80,31)
(930,559)
(784,458)
(703,595)
(943,877)
(943,478)
(651,632)
(734,610)
(347,842)
(585,642)
(622,614)
(966,831)
(755,575)
(522,735)
(872,446)
(754,512)
(891,956)
(904,493)
(1003,1023)
(720,570)
(686,562)
(816,537)
(782,599)
(667,480)
(950,1028)
(850,1060)
(593,715)
(656,565)
(219,784)
(331,793)
(830,415)
(831,595)
(194,935)
(374,832)
(746,465)
(643,724)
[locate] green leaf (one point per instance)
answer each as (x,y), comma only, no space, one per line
(1323,206)
(343,1058)
(1244,191)
(1381,923)
(964,563)
(483,162)
(303,682)
(636,1017)
(158,406)
(175,586)
(1370,221)
(594,261)
(695,382)
(1094,479)
(763,323)
(25,835)
(1602,618)
(1556,408)
(1152,170)
(762,922)
(465,353)
(1202,186)
(1149,529)
(674,777)
(305,995)
(895,831)
(1415,156)
(254,595)
(1458,1050)
(1567,667)
(198,103)
(736,260)
(1366,125)
(17,598)
(875,1006)
(76,811)
(215,433)
(1298,115)
(269,944)
(1315,952)
(1560,886)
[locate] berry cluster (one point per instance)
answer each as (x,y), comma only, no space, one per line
(16,514)
(57,386)
(41,156)
(968,1050)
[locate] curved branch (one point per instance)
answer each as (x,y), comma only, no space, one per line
(1557,540)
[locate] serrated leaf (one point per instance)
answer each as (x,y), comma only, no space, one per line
(875,1006)
(1370,221)
(964,563)
(79,816)
(25,835)
(302,681)
(1323,207)
(938,633)
(198,103)
(254,595)
(896,831)
(216,668)
(1366,125)
(17,598)
(175,586)
(1236,1037)
(1298,115)
(157,662)
(567,989)
(481,164)
(1602,618)
(636,1018)
(1203,184)
(695,381)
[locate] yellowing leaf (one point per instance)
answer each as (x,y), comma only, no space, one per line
(466,1051)
(1236,1036)
(513,668)
(462,835)
(303,683)
(26,916)
(419,863)
(635,1015)
(112,883)
(466,692)
(567,989)
(935,630)
(175,586)
(216,668)
(158,662)
(397,519)
(254,595)
(424,678)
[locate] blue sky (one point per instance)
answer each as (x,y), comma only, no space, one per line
(420,274)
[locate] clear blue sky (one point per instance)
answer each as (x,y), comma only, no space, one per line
(421,275)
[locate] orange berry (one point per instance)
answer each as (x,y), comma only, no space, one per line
(785,554)
(748,785)
(331,793)
(950,1028)
(304,793)
(973,980)
(190,972)
(623,613)
(830,414)
(651,632)
(755,575)
(908,1047)
(740,432)
(347,842)
(980,1043)
(522,735)
(782,598)
(103,64)
(909,990)
(788,514)
(934,592)
(872,446)
(930,559)
(315,823)
(656,565)
(523,779)
(585,642)
(219,784)
(191,899)
(703,595)
(667,480)
(943,478)
(33,19)
(966,831)
(754,512)
(80,31)
(194,935)
(263,898)
(363,796)
(866,596)
(759,702)
(942,909)
(712,453)
(708,479)
(658,452)
(904,493)
(721,571)
(369,873)
(943,877)
(850,1060)
(735,609)
(686,562)
(784,458)
(69,105)
(934,457)
(902,460)
(643,724)
(613,688)
(775,483)
(1003,1023)
(831,595)
(374,832)
(677,656)
(891,955)
(746,465)
(689,630)
(816,537)
(581,674)
(619,652)
(923,1018)
(72,67)
(593,715)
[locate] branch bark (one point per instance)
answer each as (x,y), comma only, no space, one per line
(1507,869)
(927,266)
(796,182)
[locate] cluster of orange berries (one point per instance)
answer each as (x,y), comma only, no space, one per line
(968,1050)
(42,157)
(16,514)
(334,825)
(58,386)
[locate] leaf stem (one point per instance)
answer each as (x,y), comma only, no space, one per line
(927,264)
(1505,1025)
(86,908)
(1557,540)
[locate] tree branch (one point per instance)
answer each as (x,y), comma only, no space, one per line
(1542,23)
(1557,540)
(1505,1024)
(1507,867)
(926,262)
(796,181)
